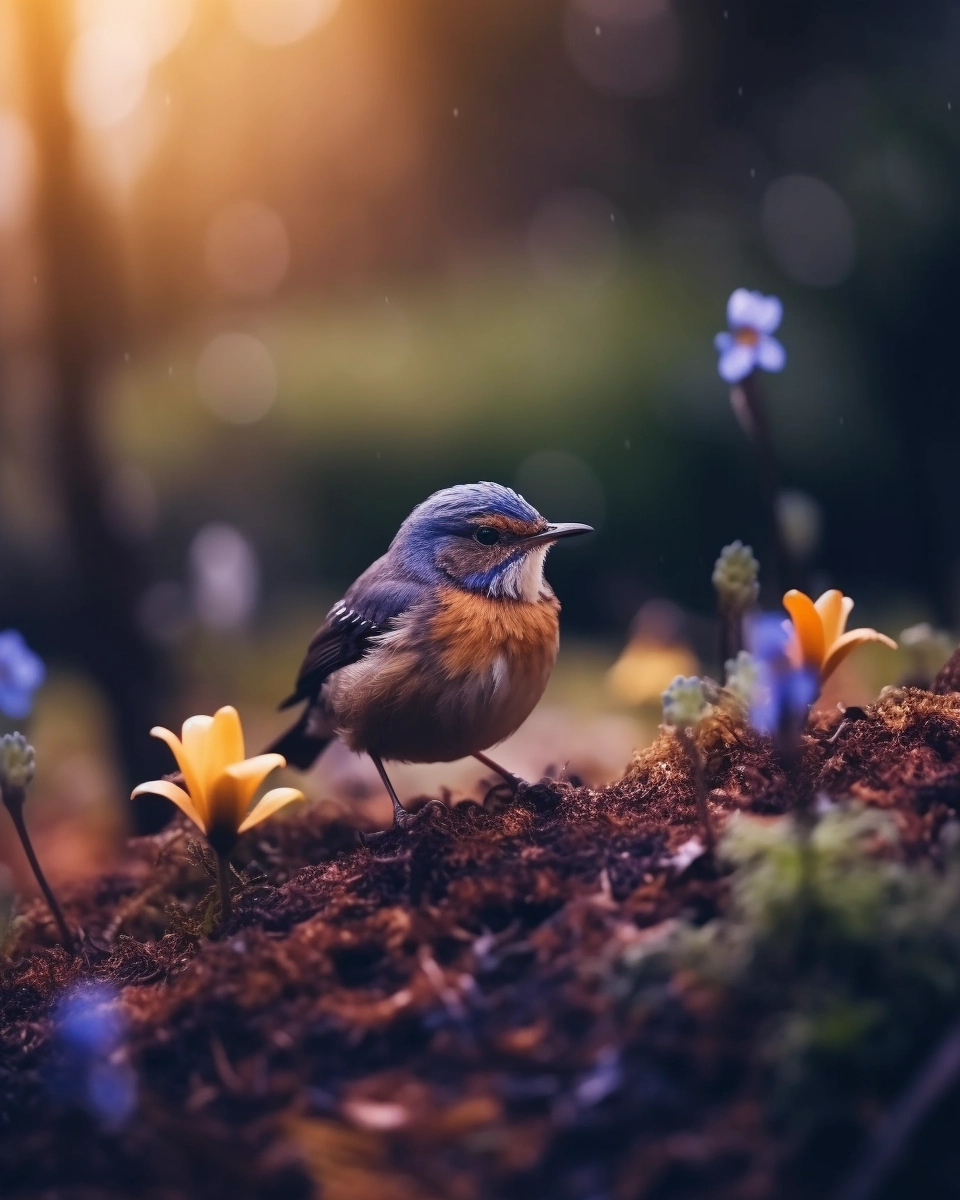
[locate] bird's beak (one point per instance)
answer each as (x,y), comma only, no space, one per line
(553,533)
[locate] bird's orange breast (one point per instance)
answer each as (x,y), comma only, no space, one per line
(472,632)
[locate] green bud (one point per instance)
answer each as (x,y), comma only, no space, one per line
(17,762)
(685,702)
(736,577)
(743,677)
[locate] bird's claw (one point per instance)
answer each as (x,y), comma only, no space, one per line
(403,822)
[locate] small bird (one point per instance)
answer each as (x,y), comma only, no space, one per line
(441,648)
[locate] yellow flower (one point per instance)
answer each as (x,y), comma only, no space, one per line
(818,639)
(220,781)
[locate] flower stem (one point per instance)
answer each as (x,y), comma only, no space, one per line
(731,634)
(692,752)
(746,399)
(13,799)
(223,886)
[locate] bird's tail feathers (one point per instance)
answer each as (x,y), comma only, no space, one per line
(303,743)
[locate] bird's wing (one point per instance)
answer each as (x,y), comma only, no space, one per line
(367,610)
(339,641)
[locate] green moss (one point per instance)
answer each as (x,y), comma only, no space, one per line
(846,956)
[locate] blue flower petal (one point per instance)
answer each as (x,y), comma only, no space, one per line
(754,310)
(722,342)
(14,701)
(768,313)
(737,362)
(30,671)
(742,308)
(771,355)
(21,673)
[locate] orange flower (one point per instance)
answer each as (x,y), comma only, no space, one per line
(818,639)
(220,781)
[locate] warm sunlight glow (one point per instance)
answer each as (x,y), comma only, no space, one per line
(278,22)
(160,24)
(107,74)
(16,170)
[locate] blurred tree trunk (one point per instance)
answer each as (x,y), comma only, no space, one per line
(84,320)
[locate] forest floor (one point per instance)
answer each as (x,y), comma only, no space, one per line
(554,996)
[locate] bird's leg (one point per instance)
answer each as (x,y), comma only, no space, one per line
(400,814)
(514,782)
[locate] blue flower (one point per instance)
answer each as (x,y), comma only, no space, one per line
(783,693)
(753,319)
(91,1067)
(21,673)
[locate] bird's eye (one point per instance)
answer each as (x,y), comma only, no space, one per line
(487,536)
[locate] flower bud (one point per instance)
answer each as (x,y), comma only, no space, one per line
(685,702)
(17,762)
(743,679)
(736,577)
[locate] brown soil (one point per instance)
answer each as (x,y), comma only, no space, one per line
(430,1019)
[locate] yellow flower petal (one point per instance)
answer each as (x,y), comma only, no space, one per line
(196,745)
(163,787)
(807,626)
(226,740)
(850,641)
(272,802)
(830,610)
(185,761)
(250,773)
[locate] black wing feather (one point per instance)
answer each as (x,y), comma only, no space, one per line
(340,640)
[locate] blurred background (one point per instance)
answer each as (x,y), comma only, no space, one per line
(271,271)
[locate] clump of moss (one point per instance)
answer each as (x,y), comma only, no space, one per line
(845,957)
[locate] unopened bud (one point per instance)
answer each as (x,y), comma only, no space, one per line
(17,762)
(736,577)
(685,702)
(743,678)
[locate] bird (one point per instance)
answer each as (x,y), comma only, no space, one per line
(442,648)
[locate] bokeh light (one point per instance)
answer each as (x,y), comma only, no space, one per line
(160,24)
(237,378)
(808,230)
(107,74)
(573,238)
(224,577)
(629,47)
(800,518)
(279,22)
(247,250)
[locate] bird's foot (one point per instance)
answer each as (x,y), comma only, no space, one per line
(403,822)
(504,793)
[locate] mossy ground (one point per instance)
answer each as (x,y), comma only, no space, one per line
(434,1018)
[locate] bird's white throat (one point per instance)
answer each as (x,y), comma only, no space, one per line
(523,578)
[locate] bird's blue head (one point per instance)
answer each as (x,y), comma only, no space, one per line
(482,537)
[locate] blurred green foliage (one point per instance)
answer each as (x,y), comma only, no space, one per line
(847,957)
